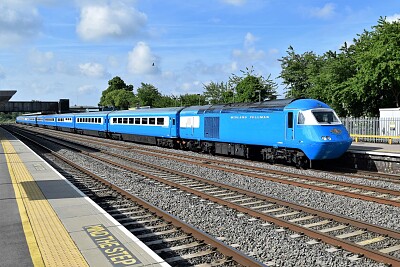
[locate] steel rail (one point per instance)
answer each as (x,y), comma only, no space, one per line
(352,247)
(226,250)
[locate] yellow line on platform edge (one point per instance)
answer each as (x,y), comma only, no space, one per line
(30,237)
(49,242)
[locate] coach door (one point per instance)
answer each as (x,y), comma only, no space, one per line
(289,126)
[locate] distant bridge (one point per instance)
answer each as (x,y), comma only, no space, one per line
(35,106)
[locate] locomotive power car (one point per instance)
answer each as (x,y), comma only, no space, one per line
(295,130)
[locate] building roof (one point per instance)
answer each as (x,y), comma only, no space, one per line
(5,95)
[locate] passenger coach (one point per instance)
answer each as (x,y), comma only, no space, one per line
(150,126)
(93,123)
(65,122)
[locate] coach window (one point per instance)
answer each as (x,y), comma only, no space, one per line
(144,120)
(152,121)
(125,120)
(119,120)
(137,120)
(160,121)
(114,120)
(173,121)
(130,120)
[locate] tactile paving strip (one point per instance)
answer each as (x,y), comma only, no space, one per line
(49,235)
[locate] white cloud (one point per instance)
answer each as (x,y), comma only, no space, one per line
(249,39)
(141,59)
(249,53)
(326,12)
(94,70)
(235,2)
(393,18)
(18,23)
(87,89)
(41,61)
(39,58)
(114,20)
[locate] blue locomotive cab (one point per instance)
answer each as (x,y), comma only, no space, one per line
(318,132)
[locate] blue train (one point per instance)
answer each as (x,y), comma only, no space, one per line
(296,130)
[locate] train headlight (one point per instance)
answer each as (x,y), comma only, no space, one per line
(326,138)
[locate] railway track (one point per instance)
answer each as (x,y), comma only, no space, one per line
(360,238)
(175,241)
(358,191)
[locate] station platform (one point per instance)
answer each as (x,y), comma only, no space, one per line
(46,221)
(392,150)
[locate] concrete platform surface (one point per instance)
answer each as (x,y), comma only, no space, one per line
(46,221)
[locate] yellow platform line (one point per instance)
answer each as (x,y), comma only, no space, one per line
(48,241)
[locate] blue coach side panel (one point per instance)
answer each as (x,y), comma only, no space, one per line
(30,120)
(155,122)
(39,120)
(65,122)
(20,119)
(49,121)
(93,123)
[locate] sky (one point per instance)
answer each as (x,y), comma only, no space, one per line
(52,49)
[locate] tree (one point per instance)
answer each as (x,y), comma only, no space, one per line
(148,95)
(118,94)
(356,81)
(165,101)
(295,72)
(251,88)
(192,99)
(216,93)
(377,81)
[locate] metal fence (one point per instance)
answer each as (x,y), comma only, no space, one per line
(384,127)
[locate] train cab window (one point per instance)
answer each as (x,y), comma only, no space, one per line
(160,121)
(144,120)
(300,118)
(137,120)
(323,117)
(152,121)
(119,120)
(125,120)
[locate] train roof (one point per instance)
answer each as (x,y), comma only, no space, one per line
(147,111)
(269,105)
(305,104)
(91,114)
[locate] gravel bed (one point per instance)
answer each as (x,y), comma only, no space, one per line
(315,173)
(254,237)
(373,213)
